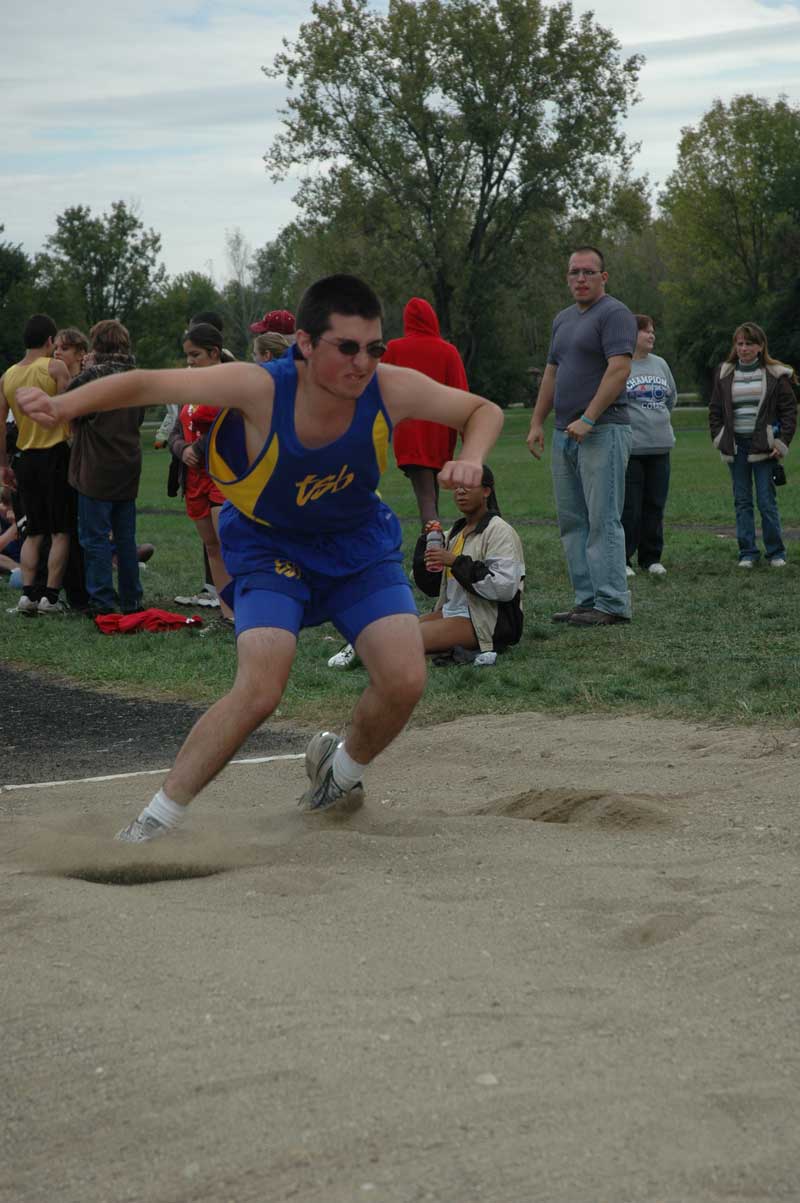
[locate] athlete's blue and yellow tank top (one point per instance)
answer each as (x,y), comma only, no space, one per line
(296,488)
(321,503)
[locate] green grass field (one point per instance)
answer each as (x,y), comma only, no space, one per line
(707,641)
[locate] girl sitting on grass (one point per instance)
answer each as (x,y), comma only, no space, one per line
(478,578)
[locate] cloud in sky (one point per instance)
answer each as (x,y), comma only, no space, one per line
(168,107)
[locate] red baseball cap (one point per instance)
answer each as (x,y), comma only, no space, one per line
(278,321)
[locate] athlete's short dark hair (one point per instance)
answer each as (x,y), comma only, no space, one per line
(38,329)
(343,294)
(209,317)
(585,250)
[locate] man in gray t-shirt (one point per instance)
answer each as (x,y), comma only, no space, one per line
(587,368)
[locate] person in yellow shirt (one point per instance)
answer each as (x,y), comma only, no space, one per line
(41,467)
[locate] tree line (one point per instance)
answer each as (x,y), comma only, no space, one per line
(458,150)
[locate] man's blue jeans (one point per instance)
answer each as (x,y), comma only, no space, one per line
(589,486)
(98,521)
(743,474)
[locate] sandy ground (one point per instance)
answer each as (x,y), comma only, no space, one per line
(551,960)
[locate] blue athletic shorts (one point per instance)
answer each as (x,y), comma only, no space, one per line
(294,579)
(290,598)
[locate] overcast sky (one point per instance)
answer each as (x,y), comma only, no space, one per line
(163,103)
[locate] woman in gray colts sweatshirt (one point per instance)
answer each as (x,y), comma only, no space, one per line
(651,397)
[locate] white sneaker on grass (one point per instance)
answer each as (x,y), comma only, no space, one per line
(323,792)
(197,599)
(629,571)
(778,562)
(47,607)
(657,570)
(346,658)
(485,660)
(745,564)
(27,607)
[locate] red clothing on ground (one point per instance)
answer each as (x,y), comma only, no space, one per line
(425,444)
(144,620)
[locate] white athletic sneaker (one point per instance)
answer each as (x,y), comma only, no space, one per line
(323,792)
(485,660)
(27,607)
(197,599)
(745,564)
(778,562)
(48,607)
(657,570)
(629,571)
(140,830)
(346,658)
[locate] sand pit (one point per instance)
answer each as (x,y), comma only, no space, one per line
(550,960)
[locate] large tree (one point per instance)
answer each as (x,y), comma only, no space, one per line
(447,125)
(731,211)
(161,323)
(109,261)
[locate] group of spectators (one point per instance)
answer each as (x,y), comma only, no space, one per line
(68,494)
(72,490)
(612,399)
(68,508)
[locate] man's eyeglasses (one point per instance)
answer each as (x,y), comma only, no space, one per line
(575,273)
(350,348)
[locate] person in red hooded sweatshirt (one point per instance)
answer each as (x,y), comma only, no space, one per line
(420,448)
(423,448)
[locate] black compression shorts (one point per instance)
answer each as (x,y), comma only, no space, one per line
(46,497)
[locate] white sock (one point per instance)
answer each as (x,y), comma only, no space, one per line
(346,771)
(164,810)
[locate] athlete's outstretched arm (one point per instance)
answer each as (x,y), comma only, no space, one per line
(242,386)
(410,394)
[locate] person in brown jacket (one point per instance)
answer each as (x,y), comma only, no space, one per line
(752,416)
(105,466)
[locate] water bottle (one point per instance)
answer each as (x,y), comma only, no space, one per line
(434,538)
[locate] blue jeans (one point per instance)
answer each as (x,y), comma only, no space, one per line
(97,522)
(589,487)
(743,474)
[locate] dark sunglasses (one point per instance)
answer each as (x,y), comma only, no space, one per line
(350,348)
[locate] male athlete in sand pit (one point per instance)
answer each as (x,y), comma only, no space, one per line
(298,453)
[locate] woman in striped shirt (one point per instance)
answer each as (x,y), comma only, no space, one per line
(752,415)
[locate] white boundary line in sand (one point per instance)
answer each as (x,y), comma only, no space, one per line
(145,773)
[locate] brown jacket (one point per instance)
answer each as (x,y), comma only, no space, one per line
(106,458)
(778,405)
